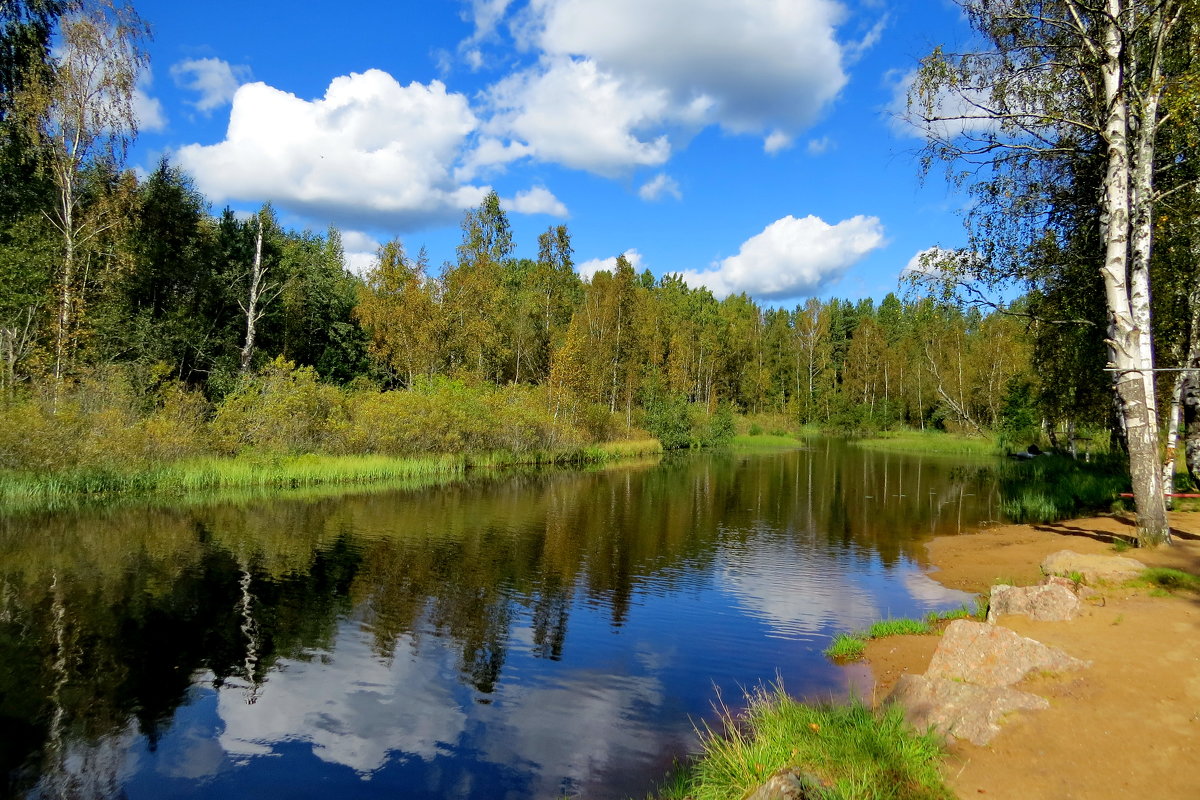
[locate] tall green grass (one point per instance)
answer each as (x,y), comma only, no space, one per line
(854,752)
(930,442)
(22,491)
(1051,487)
(765,441)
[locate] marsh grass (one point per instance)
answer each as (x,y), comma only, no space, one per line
(855,752)
(249,471)
(1051,488)
(930,442)
(765,441)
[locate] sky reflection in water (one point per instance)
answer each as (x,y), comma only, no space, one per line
(525,636)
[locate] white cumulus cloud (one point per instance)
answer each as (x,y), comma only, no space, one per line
(616,79)
(538,200)
(776,142)
(589,268)
(369,151)
(658,186)
(571,112)
(216,81)
(792,257)
(360,251)
(755,62)
(147,110)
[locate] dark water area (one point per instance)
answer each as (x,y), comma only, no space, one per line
(533,635)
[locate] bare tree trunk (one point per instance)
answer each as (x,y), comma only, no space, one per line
(252,309)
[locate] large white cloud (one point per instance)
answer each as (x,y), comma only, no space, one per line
(369,151)
(759,62)
(792,257)
(573,113)
(615,78)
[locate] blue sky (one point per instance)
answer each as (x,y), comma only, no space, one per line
(750,145)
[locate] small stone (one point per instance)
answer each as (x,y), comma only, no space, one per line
(991,655)
(1051,602)
(1092,568)
(789,783)
(960,710)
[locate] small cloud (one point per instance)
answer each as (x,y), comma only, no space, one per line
(490,153)
(792,257)
(215,80)
(589,268)
(816,147)
(149,111)
(776,142)
(856,50)
(954,112)
(538,200)
(360,251)
(661,184)
(940,264)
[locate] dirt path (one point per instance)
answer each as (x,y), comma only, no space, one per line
(1129,727)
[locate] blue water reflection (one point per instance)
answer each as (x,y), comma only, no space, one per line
(530,636)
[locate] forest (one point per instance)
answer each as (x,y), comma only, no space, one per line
(139,326)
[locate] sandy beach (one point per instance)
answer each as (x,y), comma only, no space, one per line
(1128,727)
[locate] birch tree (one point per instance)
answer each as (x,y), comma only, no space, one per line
(1056,80)
(84,113)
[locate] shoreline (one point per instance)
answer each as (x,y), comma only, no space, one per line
(1127,727)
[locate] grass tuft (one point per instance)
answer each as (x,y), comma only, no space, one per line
(1169,580)
(847,647)
(962,612)
(851,646)
(897,627)
(852,750)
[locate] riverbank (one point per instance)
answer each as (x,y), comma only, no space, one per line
(1127,727)
(26,491)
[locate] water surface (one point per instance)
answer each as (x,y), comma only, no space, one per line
(516,636)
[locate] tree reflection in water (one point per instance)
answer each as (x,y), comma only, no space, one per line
(113,621)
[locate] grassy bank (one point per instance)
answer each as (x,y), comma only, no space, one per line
(850,751)
(765,441)
(26,491)
(930,442)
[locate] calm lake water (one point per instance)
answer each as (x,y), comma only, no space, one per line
(517,636)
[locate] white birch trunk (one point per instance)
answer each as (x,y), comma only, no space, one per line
(253,312)
(1128,302)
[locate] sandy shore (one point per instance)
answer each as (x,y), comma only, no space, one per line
(1129,727)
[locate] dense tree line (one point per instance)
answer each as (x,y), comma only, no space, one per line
(128,293)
